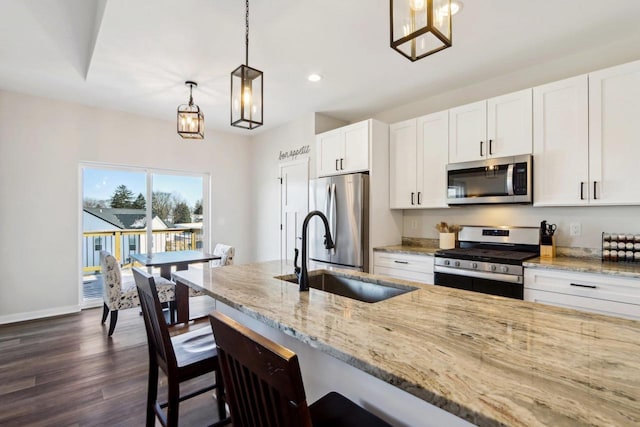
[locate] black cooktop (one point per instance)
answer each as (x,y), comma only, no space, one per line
(487,255)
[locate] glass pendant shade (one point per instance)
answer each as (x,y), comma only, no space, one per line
(190,118)
(420,28)
(246,97)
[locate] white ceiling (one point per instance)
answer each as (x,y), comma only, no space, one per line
(134,55)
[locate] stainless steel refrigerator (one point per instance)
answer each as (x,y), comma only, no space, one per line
(344,199)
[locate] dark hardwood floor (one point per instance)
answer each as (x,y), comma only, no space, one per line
(65,371)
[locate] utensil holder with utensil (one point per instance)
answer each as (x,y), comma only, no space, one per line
(548,249)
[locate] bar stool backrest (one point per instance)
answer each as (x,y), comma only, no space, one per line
(262,379)
(158,338)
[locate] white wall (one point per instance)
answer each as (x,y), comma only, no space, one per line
(265,151)
(42,142)
(594,220)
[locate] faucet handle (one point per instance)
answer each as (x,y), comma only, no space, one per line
(296,252)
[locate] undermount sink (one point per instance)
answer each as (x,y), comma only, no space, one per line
(351,288)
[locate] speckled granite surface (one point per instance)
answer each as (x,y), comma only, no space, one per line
(412,245)
(490,360)
(401,249)
(586,265)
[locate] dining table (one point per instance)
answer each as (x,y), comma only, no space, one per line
(181,260)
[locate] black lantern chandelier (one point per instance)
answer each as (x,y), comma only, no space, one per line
(246,90)
(190,118)
(420,28)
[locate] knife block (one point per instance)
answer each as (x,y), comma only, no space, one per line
(548,251)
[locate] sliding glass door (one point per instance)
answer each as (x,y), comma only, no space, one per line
(119,202)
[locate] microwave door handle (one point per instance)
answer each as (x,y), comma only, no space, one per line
(510,179)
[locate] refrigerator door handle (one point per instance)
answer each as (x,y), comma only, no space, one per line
(333,216)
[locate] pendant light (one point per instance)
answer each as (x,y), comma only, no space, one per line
(190,118)
(246,90)
(420,28)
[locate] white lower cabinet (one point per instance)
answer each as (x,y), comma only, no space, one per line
(597,293)
(418,268)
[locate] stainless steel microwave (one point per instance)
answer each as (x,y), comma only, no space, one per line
(497,180)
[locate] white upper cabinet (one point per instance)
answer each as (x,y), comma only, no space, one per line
(587,139)
(343,150)
(614,135)
(433,137)
(561,143)
(403,164)
(418,158)
(468,132)
(497,127)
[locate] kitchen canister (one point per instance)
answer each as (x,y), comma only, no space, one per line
(447,240)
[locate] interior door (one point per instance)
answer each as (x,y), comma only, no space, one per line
(294,196)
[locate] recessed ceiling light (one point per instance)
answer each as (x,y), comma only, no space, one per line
(314,77)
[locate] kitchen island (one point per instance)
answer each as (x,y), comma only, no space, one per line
(488,360)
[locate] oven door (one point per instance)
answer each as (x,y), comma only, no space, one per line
(482,285)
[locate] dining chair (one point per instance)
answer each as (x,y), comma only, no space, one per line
(181,357)
(226,253)
(263,384)
(119,294)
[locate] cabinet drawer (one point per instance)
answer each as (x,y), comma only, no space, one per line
(610,308)
(406,262)
(585,285)
(416,276)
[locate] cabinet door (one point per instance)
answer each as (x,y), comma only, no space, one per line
(356,148)
(330,150)
(433,139)
(403,159)
(614,135)
(509,124)
(468,132)
(561,143)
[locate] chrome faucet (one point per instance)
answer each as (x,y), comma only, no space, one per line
(301,272)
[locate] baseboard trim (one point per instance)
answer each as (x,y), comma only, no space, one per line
(40,314)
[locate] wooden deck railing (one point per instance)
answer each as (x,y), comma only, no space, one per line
(122,243)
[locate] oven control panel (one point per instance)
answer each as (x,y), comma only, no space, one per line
(489,267)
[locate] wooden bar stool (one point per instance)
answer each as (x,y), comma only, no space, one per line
(263,384)
(181,358)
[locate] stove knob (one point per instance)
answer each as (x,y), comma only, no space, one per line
(493,268)
(457,263)
(504,269)
(447,262)
(474,265)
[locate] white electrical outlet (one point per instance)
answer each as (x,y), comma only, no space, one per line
(414,224)
(575,229)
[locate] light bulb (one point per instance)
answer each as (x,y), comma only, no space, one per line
(246,97)
(416,4)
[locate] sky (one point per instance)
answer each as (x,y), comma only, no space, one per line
(100,184)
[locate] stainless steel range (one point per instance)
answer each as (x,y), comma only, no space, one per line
(489,260)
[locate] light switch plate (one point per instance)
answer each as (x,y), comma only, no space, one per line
(575,229)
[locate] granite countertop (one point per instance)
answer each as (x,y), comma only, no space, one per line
(405,249)
(586,265)
(493,361)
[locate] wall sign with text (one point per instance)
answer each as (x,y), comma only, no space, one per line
(293,154)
